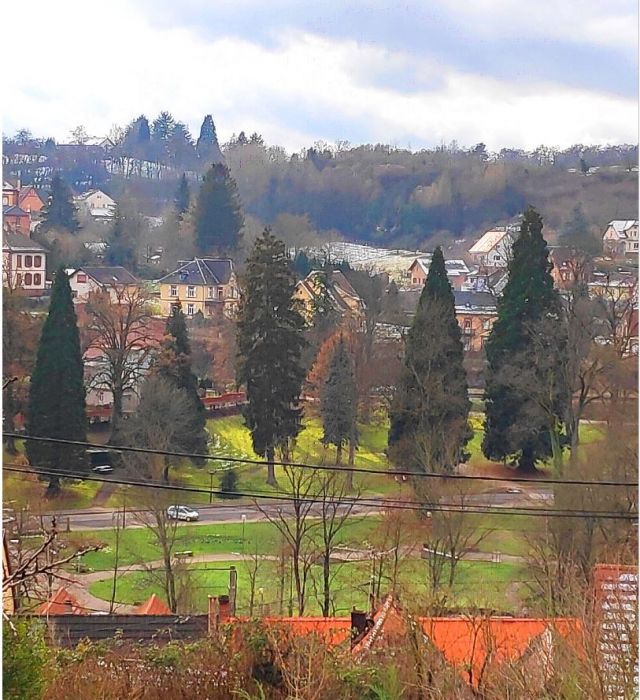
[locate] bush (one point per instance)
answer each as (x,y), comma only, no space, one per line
(24,660)
(229,484)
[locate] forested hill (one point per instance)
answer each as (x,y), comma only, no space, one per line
(368,193)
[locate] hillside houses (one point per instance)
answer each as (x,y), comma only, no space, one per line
(96,204)
(621,238)
(115,280)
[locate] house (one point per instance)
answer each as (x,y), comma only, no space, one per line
(96,204)
(621,238)
(331,287)
(10,195)
(457,271)
(89,280)
(30,200)
(202,285)
(17,219)
(570,267)
(485,280)
(24,264)
(494,248)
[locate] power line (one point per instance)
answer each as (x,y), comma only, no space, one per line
(385,504)
(321,467)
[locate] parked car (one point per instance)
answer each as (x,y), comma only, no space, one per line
(182,513)
(103,469)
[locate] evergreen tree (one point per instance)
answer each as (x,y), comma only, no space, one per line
(339,402)
(122,247)
(163,126)
(207,145)
(270,345)
(218,218)
(56,393)
(174,365)
(183,196)
(575,233)
(142,130)
(429,418)
(515,425)
(229,484)
(60,211)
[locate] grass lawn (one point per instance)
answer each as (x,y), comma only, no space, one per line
(480,584)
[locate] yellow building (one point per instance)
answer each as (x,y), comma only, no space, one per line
(205,285)
(333,287)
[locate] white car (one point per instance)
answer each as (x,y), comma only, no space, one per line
(103,469)
(182,513)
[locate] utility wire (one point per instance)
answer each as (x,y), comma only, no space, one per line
(381,503)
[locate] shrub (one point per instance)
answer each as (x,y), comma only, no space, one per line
(229,484)
(24,660)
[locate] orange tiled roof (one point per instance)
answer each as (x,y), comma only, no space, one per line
(61,603)
(333,630)
(153,606)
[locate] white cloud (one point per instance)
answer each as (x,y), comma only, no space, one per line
(108,69)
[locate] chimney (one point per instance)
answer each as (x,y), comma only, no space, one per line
(225,608)
(358,624)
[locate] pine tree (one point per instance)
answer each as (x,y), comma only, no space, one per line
(515,426)
(122,247)
(270,345)
(183,196)
(207,146)
(429,418)
(575,233)
(339,402)
(57,393)
(174,365)
(60,211)
(218,218)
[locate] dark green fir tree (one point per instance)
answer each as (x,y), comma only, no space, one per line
(56,393)
(429,418)
(122,247)
(218,216)
(59,212)
(516,426)
(183,196)
(270,345)
(207,146)
(338,400)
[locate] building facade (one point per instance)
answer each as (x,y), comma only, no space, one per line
(88,280)
(621,238)
(493,250)
(24,264)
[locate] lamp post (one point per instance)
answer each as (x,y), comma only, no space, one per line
(244,520)
(211,487)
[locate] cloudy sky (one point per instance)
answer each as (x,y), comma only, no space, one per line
(412,73)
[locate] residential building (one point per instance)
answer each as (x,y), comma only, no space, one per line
(570,267)
(457,271)
(335,288)
(494,248)
(621,238)
(486,280)
(30,200)
(24,264)
(202,285)
(10,195)
(96,204)
(89,280)
(17,219)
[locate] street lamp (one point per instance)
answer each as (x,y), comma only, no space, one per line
(244,520)
(211,487)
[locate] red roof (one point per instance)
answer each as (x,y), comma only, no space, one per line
(153,606)
(61,603)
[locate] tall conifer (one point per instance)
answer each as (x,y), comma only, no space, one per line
(429,418)
(60,212)
(183,196)
(270,345)
(57,393)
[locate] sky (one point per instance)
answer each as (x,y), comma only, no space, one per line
(416,73)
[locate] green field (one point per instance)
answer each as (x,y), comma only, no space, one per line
(477,584)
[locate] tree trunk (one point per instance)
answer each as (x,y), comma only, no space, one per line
(53,489)
(527,463)
(271,470)
(352,459)
(9,420)
(165,471)
(171,583)
(116,413)
(326,582)
(339,454)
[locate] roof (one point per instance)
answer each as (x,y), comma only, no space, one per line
(109,275)
(14,211)
(204,271)
(89,193)
(621,226)
(475,300)
(333,630)
(18,242)
(153,606)
(453,267)
(61,603)
(488,241)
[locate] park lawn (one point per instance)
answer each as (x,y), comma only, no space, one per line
(137,545)
(477,584)
(505,533)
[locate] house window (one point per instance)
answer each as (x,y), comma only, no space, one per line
(28,279)
(467,323)
(28,260)
(37,279)
(37,260)
(82,278)
(18,260)
(486,324)
(496,257)
(19,280)
(467,344)
(173,292)
(210,292)
(191,292)
(191,309)
(220,292)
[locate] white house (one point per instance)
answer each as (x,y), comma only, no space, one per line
(96,204)
(86,280)
(24,264)
(493,249)
(457,271)
(621,238)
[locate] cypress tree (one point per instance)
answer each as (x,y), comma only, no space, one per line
(183,196)
(338,400)
(56,393)
(174,365)
(60,211)
(270,345)
(429,418)
(515,425)
(218,217)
